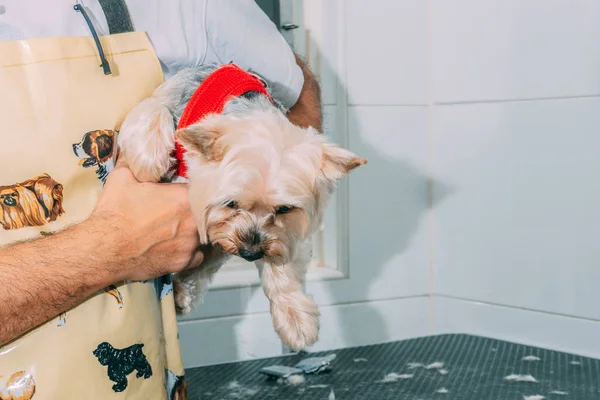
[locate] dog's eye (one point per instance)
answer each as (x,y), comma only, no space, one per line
(283,210)
(232,204)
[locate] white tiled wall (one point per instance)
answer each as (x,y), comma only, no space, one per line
(478,211)
(387,52)
(515,142)
(522,225)
(514,49)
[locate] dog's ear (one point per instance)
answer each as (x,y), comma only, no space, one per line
(104,146)
(202,139)
(338,162)
(31,207)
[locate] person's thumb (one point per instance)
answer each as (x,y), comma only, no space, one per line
(121,161)
(196,260)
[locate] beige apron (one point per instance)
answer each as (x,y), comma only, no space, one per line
(59,117)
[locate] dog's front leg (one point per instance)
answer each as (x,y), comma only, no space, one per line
(146,140)
(295,315)
(190,284)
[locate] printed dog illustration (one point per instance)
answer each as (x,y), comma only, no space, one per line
(62,319)
(19,386)
(122,362)
(34,202)
(176,386)
(112,290)
(97,148)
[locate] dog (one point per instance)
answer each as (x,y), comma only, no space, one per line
(19,386)
(35,202)
(258,184)
(97,148)
(176,386)
(122,362)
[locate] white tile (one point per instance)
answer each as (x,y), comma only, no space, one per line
(227,302)
(317,40)
(387,52)
(514,49)
(220,340)
(520,221)
(388,224)
(373,322)
(555,332)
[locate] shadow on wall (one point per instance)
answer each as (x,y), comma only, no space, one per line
(389,201)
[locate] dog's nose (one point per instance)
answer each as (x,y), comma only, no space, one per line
(75,149)
(9,201)
(251,254)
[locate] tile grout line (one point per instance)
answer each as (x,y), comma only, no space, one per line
(430,155)
(520,308)
(474,102)
(523,100)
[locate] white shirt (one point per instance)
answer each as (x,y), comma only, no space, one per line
(184,33)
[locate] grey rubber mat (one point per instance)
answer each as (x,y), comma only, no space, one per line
(452,367)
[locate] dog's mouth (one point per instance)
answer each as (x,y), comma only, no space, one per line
(250,254)
(268,251)
(10,201)
(87,162)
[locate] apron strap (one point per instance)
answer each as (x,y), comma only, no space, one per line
(117,16)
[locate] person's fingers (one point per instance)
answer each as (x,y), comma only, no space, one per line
(176,193)
(121,162)
(120,176)
(196,260)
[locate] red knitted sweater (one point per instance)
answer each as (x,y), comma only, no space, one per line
(210,98)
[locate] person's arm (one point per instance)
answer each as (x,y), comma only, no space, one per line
(239,31)
(137,231)
(307,110)
(42,278)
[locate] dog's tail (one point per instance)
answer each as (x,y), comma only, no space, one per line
(147,140)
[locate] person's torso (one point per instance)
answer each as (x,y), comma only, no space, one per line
(176,28)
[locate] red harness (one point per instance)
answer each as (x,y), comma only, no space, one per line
(210,98)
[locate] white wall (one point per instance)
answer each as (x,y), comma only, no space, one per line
(478,209)
(515,135)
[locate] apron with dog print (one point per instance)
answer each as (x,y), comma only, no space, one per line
(60,113)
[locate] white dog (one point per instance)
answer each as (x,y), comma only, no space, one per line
(258,184)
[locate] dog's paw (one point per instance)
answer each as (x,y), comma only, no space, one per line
(144,373)
(119,387)
(183,299)
(296,320)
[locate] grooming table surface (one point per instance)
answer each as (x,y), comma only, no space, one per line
(474,368)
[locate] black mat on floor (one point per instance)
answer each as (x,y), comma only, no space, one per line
(452,367)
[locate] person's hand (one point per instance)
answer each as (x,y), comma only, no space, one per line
(147,228)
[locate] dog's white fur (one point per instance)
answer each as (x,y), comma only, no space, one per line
(243,166)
